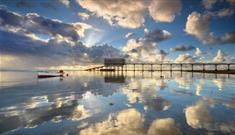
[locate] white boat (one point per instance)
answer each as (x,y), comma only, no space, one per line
(50,74)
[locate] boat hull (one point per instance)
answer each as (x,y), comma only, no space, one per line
(48,75)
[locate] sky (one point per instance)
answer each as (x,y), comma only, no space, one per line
(74,33)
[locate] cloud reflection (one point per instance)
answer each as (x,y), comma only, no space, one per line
(200,116)
(131,122)
(146,92)
(219,82)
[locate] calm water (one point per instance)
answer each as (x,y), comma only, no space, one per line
(117,104)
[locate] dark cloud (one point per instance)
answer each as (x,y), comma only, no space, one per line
(228,37)
(33,23)
(38,53)
(182,48)
(162,52)
(157,35)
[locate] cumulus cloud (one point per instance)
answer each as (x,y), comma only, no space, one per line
(157,35)
(184,58)
(208,3)
(131,14)
(198,52)
(161,55)
(83,15)
(139,50)
(129,34)
(145,49)
(182,48)
(65,2)
(198,25)
(220,57)
(164,10)
(125,13)
(34,23)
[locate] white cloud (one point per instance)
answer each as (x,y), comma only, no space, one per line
(208,3)
(125,13)
(145,49)
(220,57)
(184,58)
(83,15)
(131,14)
(65,2)
(198,52)
(164,10)
(80,28)
(138,50)
(161,56)
(129,34)
(198,25)
(35,24)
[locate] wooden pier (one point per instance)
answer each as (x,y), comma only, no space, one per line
(194,67)
(190,67)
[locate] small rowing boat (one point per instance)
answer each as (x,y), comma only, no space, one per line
(46,74)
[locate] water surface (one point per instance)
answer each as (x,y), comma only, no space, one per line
(87,103)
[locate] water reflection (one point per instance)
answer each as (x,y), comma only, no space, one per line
(126,103)
(145,91)
(219,82)
(39,110)
(202,115)
(131,122)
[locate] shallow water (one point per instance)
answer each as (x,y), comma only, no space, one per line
(88,103)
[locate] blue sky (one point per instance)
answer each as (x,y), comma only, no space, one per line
(105,25)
